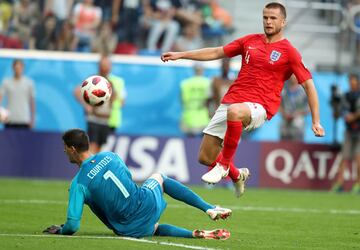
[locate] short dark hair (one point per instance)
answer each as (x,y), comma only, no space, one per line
(16,61)
(276,5)
(76,138)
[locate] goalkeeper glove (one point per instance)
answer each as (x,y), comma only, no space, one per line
(54,229)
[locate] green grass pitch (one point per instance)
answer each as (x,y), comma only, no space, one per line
(262,219)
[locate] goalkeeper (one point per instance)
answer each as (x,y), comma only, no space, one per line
(104,183)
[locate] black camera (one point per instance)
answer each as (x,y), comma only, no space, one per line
(336,100)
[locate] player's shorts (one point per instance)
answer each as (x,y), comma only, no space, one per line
(157,199)
(351,146)
(217,125)
(98,133)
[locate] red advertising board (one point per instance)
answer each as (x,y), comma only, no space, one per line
(298,165)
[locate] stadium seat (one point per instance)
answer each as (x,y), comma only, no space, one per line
(10,43)
(126,48)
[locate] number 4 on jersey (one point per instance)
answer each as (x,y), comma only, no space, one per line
(247,57)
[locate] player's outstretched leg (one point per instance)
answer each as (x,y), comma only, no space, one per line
(231,140)
(174,231)
(182,193)
(239,176)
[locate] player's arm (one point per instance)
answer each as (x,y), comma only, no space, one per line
(74,212)
(205,54)
(303,75)
(313,101)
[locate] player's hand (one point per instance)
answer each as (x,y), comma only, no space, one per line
(170,56)
(54,229)
(318,130)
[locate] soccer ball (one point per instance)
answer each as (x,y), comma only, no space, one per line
(96,90)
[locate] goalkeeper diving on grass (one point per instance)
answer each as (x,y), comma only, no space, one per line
(104,183)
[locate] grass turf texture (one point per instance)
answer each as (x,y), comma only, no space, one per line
(262,219)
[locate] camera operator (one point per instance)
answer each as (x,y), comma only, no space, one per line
(336,101)
(351,144)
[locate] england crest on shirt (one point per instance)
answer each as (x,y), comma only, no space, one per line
(275,55)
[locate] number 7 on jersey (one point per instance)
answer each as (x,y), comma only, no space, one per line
(117,182)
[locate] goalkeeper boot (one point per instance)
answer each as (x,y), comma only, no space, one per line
(217,234)
(218,213)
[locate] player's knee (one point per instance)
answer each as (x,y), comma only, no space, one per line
(238,112)
(158,177)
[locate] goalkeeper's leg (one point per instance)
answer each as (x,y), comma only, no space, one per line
(182,193)
(174,231)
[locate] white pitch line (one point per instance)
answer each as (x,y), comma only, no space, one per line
(107,238)
(286,209)
(243,208)
(33,202)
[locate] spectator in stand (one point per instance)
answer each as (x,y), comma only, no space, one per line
(127,21)
(190,39)
(217,22)
(188,12)
(20,94)
(5,15)
(221,15)
(25,17)
(61,9)
(293,109)
(351,144)
(160,15)
(195,93)
(44,37)
(105,41)
(66,39)
(109,8)
(86,18)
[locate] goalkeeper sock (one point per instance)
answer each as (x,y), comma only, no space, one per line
(182,193)
(174,231)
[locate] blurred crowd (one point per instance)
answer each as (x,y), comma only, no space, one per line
(112,26)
